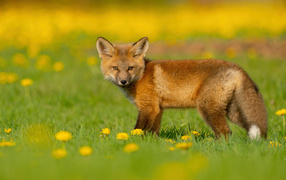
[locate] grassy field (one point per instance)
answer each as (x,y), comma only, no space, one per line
(50,81)
(77,99)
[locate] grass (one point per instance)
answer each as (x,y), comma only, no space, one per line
(80,101)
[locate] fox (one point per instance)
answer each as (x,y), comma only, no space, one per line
(217,89)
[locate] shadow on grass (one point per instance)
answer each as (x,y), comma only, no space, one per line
(174,132)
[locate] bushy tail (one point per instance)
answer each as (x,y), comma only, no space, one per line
(252,108)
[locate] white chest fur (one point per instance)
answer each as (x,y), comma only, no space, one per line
(127,94)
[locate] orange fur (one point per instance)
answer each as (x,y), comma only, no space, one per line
(216,88)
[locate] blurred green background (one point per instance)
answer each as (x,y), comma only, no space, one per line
(39,23)
(233,27)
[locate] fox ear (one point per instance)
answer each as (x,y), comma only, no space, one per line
(104,47)
(140,47)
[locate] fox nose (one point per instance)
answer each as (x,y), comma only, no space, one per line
(123,82)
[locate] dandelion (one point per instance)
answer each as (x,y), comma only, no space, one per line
(20,60)
(281,112)
(186,137)
(170,140)
(63,136)
(85,151)
(171,148)
(7,77)
(59,153)
(123,136)
(131,147)
(91,61)
(184,145)
(195,133)
(105,131)
(136,132)
(7,143)
(274,144)
(43,63)
(11,77)
(8,130)
(58,66)
(26,82)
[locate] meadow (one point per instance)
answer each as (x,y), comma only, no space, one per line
(50,81)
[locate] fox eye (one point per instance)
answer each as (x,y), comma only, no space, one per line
(130,68)
(115,68)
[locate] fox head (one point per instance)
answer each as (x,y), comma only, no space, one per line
(122,64)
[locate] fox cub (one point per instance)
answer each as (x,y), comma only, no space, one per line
(218,89)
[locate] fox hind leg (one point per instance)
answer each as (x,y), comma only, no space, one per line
(234,114)
(216,120)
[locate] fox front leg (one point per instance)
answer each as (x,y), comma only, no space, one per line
(149,119)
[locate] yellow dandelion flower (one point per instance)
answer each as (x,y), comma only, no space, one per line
(7,143)
(195,133)
(20,60)
(131,147)
(59,153)
(58,66)
(184,145)
(8,130)
(26,82)
(171,148)
(11,77)
(186,137)
(91,61)
(7,77)
(285,138)
(170,140)
(105,131)
(85,151)
(63,136)
(136,132)
(123,136)
(43,63)
(281,112)
(274,144)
